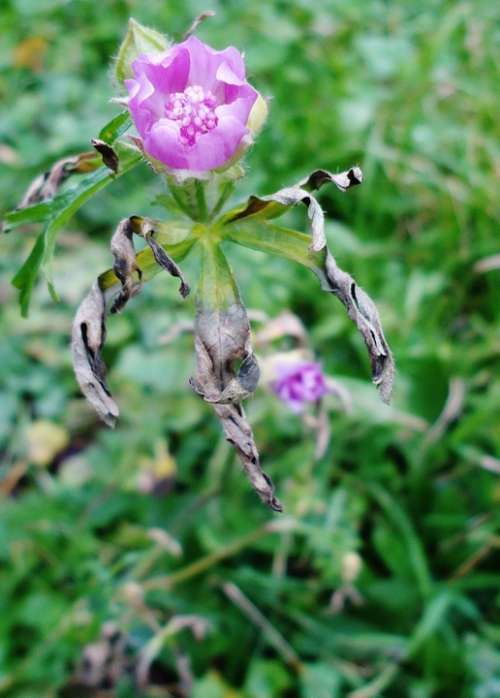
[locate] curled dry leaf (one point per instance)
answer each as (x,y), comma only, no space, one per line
(222,340)
(275,204)
(167,262)
(89,327)
(342,180)
(362,311)
(47,185)
(125,264)
(108,154)
(87,340)
(253,228)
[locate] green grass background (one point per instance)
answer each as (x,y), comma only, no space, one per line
(402,507)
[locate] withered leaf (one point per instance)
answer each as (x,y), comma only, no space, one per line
(250,226)
(87,339)
(276,204)
(342,180)
(108,154)
(222,340)
(46,185)
(167,263)
(362,310)
(124,266)
(125,261)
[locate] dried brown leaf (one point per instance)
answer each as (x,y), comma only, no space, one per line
(46,185)
(362,311)
(125,264)
(87,340)
(108,154)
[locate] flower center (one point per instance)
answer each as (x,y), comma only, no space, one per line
(194,110)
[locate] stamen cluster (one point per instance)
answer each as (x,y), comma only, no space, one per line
(194,110)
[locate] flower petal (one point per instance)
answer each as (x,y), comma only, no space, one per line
(167,72)
(163,143)
(215,148)
(204,62)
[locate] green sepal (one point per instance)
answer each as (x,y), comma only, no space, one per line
(138,39)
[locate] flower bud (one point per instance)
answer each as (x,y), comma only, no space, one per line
(295,379)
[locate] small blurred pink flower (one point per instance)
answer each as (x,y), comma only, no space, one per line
(191,105)
(298,383)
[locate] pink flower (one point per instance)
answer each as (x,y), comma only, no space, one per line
(191,105)
(299,382)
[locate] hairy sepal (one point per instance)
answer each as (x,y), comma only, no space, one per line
(138,39)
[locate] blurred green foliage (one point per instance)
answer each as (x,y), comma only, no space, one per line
(382,578)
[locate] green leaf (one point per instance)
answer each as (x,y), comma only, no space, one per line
(274,239)
(320,681)
(138,39)
(416,555)
(25,278)
(217,288)
(65,206)
(31,214)
(116,127)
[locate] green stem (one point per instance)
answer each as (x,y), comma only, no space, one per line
(201,203)
(225,193)
(180,202)
(205,563)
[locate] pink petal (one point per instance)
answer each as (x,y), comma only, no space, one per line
(162,143)
(204,62)
(215,148)
(166,72)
